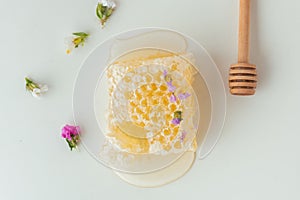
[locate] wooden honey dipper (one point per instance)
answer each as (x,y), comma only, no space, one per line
(242,76)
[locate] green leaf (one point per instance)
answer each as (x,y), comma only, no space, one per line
(28,80)
(71,144)
(99,7)
(81,34)
(30,85)
(98,11)
(98,14)
(103,9)
(109,12)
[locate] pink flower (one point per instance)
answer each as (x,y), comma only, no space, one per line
(71,134)
(68,131)
(183,96)
(173,98)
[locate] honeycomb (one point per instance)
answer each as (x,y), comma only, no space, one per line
(141,111)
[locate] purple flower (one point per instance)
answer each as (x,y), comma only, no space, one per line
(183,96)
(177,117)
(173,98)
(183,134)
(171,87)
(176,121)
(165,73)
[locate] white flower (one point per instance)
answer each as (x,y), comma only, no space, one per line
(38,92)
(36,89)
(104,10)
(108,3)
(44,88)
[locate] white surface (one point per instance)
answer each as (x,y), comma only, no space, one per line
(164,176)
(258,154)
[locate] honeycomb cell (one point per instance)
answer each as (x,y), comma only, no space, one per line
(138,96)
(167,131)
(178,145)
(144,102)
(132,104)
(153,86)
(173,107)
(148,78)
(163,88)
(134,117)
(144,88)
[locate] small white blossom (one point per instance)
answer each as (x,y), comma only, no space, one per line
(104,10)
(37,90)
(108,3)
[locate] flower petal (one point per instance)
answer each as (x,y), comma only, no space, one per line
(173,98)
(68,136)
(108,3)
(176,121)
(171,87)
(183,96)
(36,92)
(78,129)
(75,130)
(165,73)
(182,137)
(43,88)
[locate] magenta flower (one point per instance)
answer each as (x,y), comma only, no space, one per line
(183,96)
(173,98)
(182,137)
(71,134)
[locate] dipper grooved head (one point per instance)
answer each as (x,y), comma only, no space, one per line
(242,79)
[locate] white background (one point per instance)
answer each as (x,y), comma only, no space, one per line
(258,155)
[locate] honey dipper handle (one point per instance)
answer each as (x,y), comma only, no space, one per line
(244,25)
